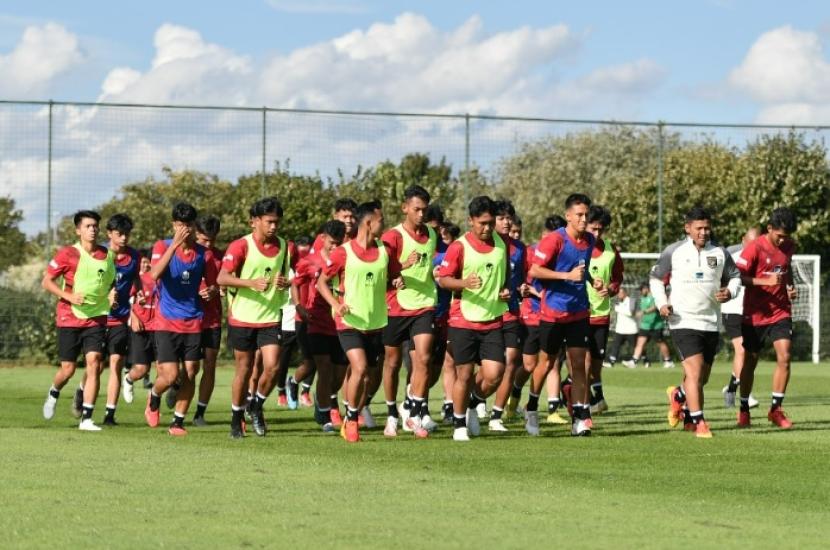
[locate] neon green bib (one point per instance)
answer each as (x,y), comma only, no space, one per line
(419,291)
(93,279)
(250,306)
(364,290)
(601,269)
(483,304)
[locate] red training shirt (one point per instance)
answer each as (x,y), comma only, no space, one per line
(766,305)
(64,264)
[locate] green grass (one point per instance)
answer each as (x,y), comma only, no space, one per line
(635,483)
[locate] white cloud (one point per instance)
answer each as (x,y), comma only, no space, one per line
(787,72)
(43,52)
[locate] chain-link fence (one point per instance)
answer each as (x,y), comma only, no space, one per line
(58,157)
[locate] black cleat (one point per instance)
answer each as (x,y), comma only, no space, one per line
(109,421)
(237,432)
(78,403)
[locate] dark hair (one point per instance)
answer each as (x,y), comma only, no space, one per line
(268,205)
(366,209)
(184,212)
(345,204)
(599,214)
(81,214)
(697,213)
(334,229)
(517,221)
(121,223)
(783,218)
(416,191)
(145,253)
(552,223)
(208,225)
(452,229)
(577,198)
(504,207)
(644,285)
(303,240)
(481,205)
(434,213)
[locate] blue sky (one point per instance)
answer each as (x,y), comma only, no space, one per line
(688,52)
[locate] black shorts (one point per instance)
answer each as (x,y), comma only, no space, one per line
(251,339)
(142,347)
(118,338)
(172,347)
(532,343)
(756,336)
(400,329)
(514,334)
(211,338)
(693,342)
(72,341)
(327,344)
(302,340)
(597,340)
(653,334)
(575,334)
(473,346)
(732,325)
(370,342)
(288,338)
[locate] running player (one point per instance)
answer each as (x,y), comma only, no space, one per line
(142,346)
(766,271)
(562,263)
(207,230)
(256,267)
(84,301)
(702,276)
(411,301)
(360,266)
(178,265)
(476,269)
(625,327)
(344,211)
(651,328)
(443,357)
(607,267)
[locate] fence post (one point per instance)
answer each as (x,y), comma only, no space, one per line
(49,185)
(262,173)
(660,186)
(466,159)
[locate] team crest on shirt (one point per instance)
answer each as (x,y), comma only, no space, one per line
(370,279)
(712,261)
(100,275)
(185,277)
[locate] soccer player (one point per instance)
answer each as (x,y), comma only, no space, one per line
(207,230)
(562,262)
(702,276)
(514,331)
(178,265)
(324,346)
(361,267)
(300,382)
(651,328)
(607,267)
(127,261)
(476,269)
(625,328)
(256,268)
(442,358)
(142,346)
(766,272)
(732,318)
(411,301)
(84,301)
(344,211)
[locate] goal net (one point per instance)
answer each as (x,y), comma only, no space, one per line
(806,273)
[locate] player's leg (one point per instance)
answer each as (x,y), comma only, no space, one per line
(355,390)
(243,343)
(210,347)
(69,346)
(117,344)
(597,341)
(512,363)
(781,336)
(422,340)
(268,343)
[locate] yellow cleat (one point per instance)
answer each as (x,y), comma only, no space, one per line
(675,413)
(554,418)
(343,429)
(512,407)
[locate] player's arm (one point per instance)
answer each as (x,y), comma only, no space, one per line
(657,281)
(546,254)
(450,270)
(299,280)
(335,264)
(617,273)
(159,265)
(747,263)
(58,266)
(730,280)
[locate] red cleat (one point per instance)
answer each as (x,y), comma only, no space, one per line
(361,422)
(675,414)
(777,417)
(352,433)
(152,416)
(282,400)
(176,431)
(336,419)
(744,420)
(305,400)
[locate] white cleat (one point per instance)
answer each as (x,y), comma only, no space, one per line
(391,429)
(607,365)
(481,410)
(473,427)
(328,428)
(532,423)
(404,412)
(49,406)
(599,407)
(460,434)
(752,401)
(728,398)
(580,428)
(668,364)
(368,419)
(127,390)
(629,364)
(87,425)
(496,425)
(429,424)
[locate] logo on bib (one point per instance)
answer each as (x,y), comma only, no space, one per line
(370,279)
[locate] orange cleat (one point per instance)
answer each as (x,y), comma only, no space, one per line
(352,433)
(675,413)
(336,419)
(177,431)
(152,417)
(305,400)
(702,430)
(282,400)
(777,417)
(744,420)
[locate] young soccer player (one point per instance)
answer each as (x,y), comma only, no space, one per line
(256,267)
(476,269)
(766,272)
(84,301)
(625,328)
(411,301)
(651,328)
(702,276)
(178,265)
(442,358)
(142,346)
(361,267)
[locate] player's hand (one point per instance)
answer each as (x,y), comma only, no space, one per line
(261,284)
(135,324)
(472,281)
(303,313)
(281,282)
(723,295)
(411,260)
(398,283)
(209,293)
(577,274)
(435,271)
(222,291)
(342,310)
(792,292)
(524,290)
(504,294)
(774,279)
(181,235)
(112,298)
(666,311)
(140,298)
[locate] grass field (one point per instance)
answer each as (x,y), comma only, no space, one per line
(635,483)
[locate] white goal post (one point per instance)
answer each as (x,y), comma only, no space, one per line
(806,273)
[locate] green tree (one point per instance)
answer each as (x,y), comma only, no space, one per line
(12,239)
